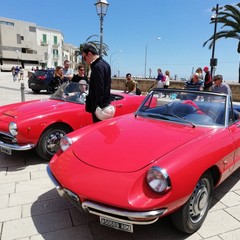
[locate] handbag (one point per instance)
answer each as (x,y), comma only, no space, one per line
(105,113)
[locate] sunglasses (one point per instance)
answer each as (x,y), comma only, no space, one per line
(82,69)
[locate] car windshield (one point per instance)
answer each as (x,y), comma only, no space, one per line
(188,107)
(71,92)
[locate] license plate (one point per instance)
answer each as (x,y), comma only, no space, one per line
(116,224)
(6,150)
(32,84)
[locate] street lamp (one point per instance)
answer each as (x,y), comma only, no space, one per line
(119,51)
(146,50)
(213,60)
(101,6)
(17,52)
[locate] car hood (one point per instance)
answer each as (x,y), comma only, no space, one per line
(25,109)
(129,143)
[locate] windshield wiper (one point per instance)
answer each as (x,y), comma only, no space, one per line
(181,118)
(152,115)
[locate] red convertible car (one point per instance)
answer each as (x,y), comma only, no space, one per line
(40,124)
(163,159)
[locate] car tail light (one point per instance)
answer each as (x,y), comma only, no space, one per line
(42,77)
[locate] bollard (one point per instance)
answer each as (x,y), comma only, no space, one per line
(22,92)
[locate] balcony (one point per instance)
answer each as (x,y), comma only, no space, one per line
(56,45)
(44,43)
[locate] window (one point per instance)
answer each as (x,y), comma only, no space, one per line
(6,23)
(44,39)
(32,29)
(55,53)
(55,41)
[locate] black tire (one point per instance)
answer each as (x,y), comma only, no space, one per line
(36,91)
(190,217)
(49,141)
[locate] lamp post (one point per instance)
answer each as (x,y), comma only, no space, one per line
(101,7)
(112,55)
(146,52)
(17,52)
(213,61)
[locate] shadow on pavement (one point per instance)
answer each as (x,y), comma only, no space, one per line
(56,218)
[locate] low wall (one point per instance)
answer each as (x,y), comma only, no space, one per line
(145,84)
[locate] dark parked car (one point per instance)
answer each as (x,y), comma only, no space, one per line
(42,80)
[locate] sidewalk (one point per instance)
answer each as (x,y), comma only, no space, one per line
(31,209)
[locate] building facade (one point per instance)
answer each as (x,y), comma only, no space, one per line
(27,45)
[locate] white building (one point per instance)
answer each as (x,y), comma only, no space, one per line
(28,45)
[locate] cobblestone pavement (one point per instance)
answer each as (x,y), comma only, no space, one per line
(30,207)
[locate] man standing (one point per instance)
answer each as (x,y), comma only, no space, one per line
(207,79)
(219,86)
(100,81)
(67,71)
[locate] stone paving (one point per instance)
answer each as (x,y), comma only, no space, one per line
(31,209)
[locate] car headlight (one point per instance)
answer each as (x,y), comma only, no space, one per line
(65,143)
(13,128)
(158,179)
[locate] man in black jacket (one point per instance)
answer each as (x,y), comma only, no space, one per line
(100,81)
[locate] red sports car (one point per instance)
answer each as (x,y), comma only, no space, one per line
(40,124)
(163,159)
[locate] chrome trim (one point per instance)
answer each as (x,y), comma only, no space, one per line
(55,182)
(106,211)
(17,147)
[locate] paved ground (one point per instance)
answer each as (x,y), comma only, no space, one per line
(30,207)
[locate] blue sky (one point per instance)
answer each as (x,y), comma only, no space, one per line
(130,25)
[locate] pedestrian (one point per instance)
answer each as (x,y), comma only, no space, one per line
(160,81)
(13,73)
(99,83)
(80,74)
(130,84)
(67,71)
(219,86)
(160,78)
(21,72)
(199,71)
(207,79)
(58,77)
(16,73)
(167,80)
(195,84)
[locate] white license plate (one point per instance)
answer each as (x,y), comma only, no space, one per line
(127,227)
(6,150)
(32,84)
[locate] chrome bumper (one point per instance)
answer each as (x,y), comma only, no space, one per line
(55,182)
(132,217)
(17,147)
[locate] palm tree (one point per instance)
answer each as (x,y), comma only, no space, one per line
(229,17)
(96,44)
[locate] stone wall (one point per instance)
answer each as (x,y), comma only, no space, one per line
(145,85)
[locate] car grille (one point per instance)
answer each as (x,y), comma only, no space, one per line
(73,198)
(7,139)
